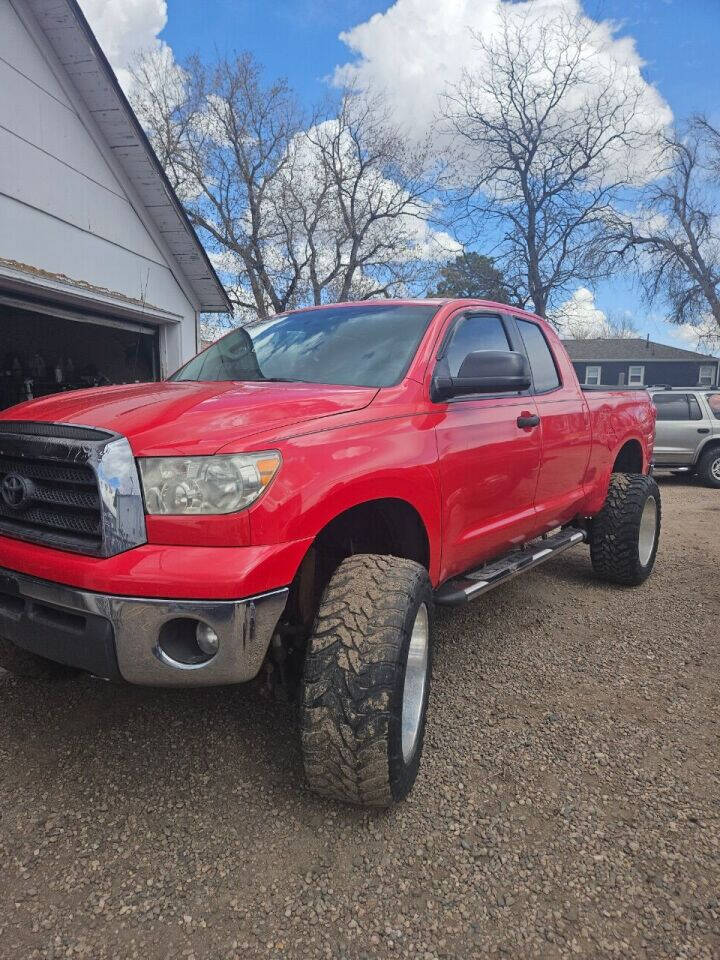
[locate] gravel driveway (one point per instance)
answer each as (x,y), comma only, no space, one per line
(568,805)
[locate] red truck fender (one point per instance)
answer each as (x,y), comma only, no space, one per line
(328,474)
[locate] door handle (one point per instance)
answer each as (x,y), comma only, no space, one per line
(529,421)
(703,429)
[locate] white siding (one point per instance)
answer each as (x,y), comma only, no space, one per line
(63,209)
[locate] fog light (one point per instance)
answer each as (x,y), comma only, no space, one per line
(207,639)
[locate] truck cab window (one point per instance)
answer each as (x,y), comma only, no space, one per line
(542,363)
(472,334)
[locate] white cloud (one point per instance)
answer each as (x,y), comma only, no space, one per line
(578,318)
(123,27)
(418,48)
(703,336)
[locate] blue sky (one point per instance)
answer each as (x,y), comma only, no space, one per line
(679,41)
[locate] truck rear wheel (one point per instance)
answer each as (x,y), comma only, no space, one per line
(22,663)
(709,468)
(624,535)
(366,681)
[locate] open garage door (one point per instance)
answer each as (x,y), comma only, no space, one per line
(46,350)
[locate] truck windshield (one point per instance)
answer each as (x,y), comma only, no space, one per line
(363,346)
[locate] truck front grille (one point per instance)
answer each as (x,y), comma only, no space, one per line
(69,487)
(50,501)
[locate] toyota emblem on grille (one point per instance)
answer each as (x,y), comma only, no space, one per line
(15,491)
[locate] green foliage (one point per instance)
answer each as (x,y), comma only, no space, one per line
(471,275)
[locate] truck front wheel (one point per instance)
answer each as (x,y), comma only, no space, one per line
(22,663)
(624,535)
(366,681)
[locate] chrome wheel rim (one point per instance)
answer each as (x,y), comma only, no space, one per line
(415,680)
(648,526)
(715,469)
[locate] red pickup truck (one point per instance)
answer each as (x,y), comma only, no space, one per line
(297,499)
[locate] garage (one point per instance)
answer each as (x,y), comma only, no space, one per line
(102,277)
(44,353)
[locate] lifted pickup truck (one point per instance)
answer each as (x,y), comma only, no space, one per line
(299,497)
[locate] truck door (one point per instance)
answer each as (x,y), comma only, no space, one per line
(565,434)
(489,460)
(680,428)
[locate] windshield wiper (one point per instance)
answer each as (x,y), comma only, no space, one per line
(283,380)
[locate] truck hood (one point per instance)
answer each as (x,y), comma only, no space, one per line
(193,418)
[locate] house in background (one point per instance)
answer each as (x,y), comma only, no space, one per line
(102,277)
(637,362)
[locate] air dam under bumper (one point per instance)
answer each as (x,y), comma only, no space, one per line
(118,636)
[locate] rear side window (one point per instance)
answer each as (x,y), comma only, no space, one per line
(542,363)
(673,406)
(714,401)
(472,334)
(695,411)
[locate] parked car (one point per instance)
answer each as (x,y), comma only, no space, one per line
(687,434)
(299,497)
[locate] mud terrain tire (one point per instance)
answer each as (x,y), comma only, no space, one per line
(624,535)
(375,618)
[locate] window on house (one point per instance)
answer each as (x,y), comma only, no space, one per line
(592,376)
(636,376)
(707,375)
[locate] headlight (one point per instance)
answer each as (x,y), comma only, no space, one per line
(220,484)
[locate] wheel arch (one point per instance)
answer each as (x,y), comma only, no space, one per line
(629,458)
(711,443)
(390,526)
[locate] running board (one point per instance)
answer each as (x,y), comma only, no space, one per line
(474,583)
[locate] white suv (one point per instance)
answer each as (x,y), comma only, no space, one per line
(687,435)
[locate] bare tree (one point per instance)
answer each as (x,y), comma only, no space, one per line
(709,134)
(548,127)
(674,238)
(297,210)
(367,230)
(224,137)
(621,327)
(160,99)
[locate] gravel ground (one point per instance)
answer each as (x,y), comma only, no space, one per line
(568,804)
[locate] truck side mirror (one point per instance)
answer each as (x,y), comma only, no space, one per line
(485,371)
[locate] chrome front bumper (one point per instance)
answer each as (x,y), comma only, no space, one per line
(35,614)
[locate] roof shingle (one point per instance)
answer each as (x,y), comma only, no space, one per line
(632,349)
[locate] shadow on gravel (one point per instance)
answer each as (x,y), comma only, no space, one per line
(679,480)
(122,736)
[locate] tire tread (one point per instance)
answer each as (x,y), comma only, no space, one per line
(352,668)
(613,536)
